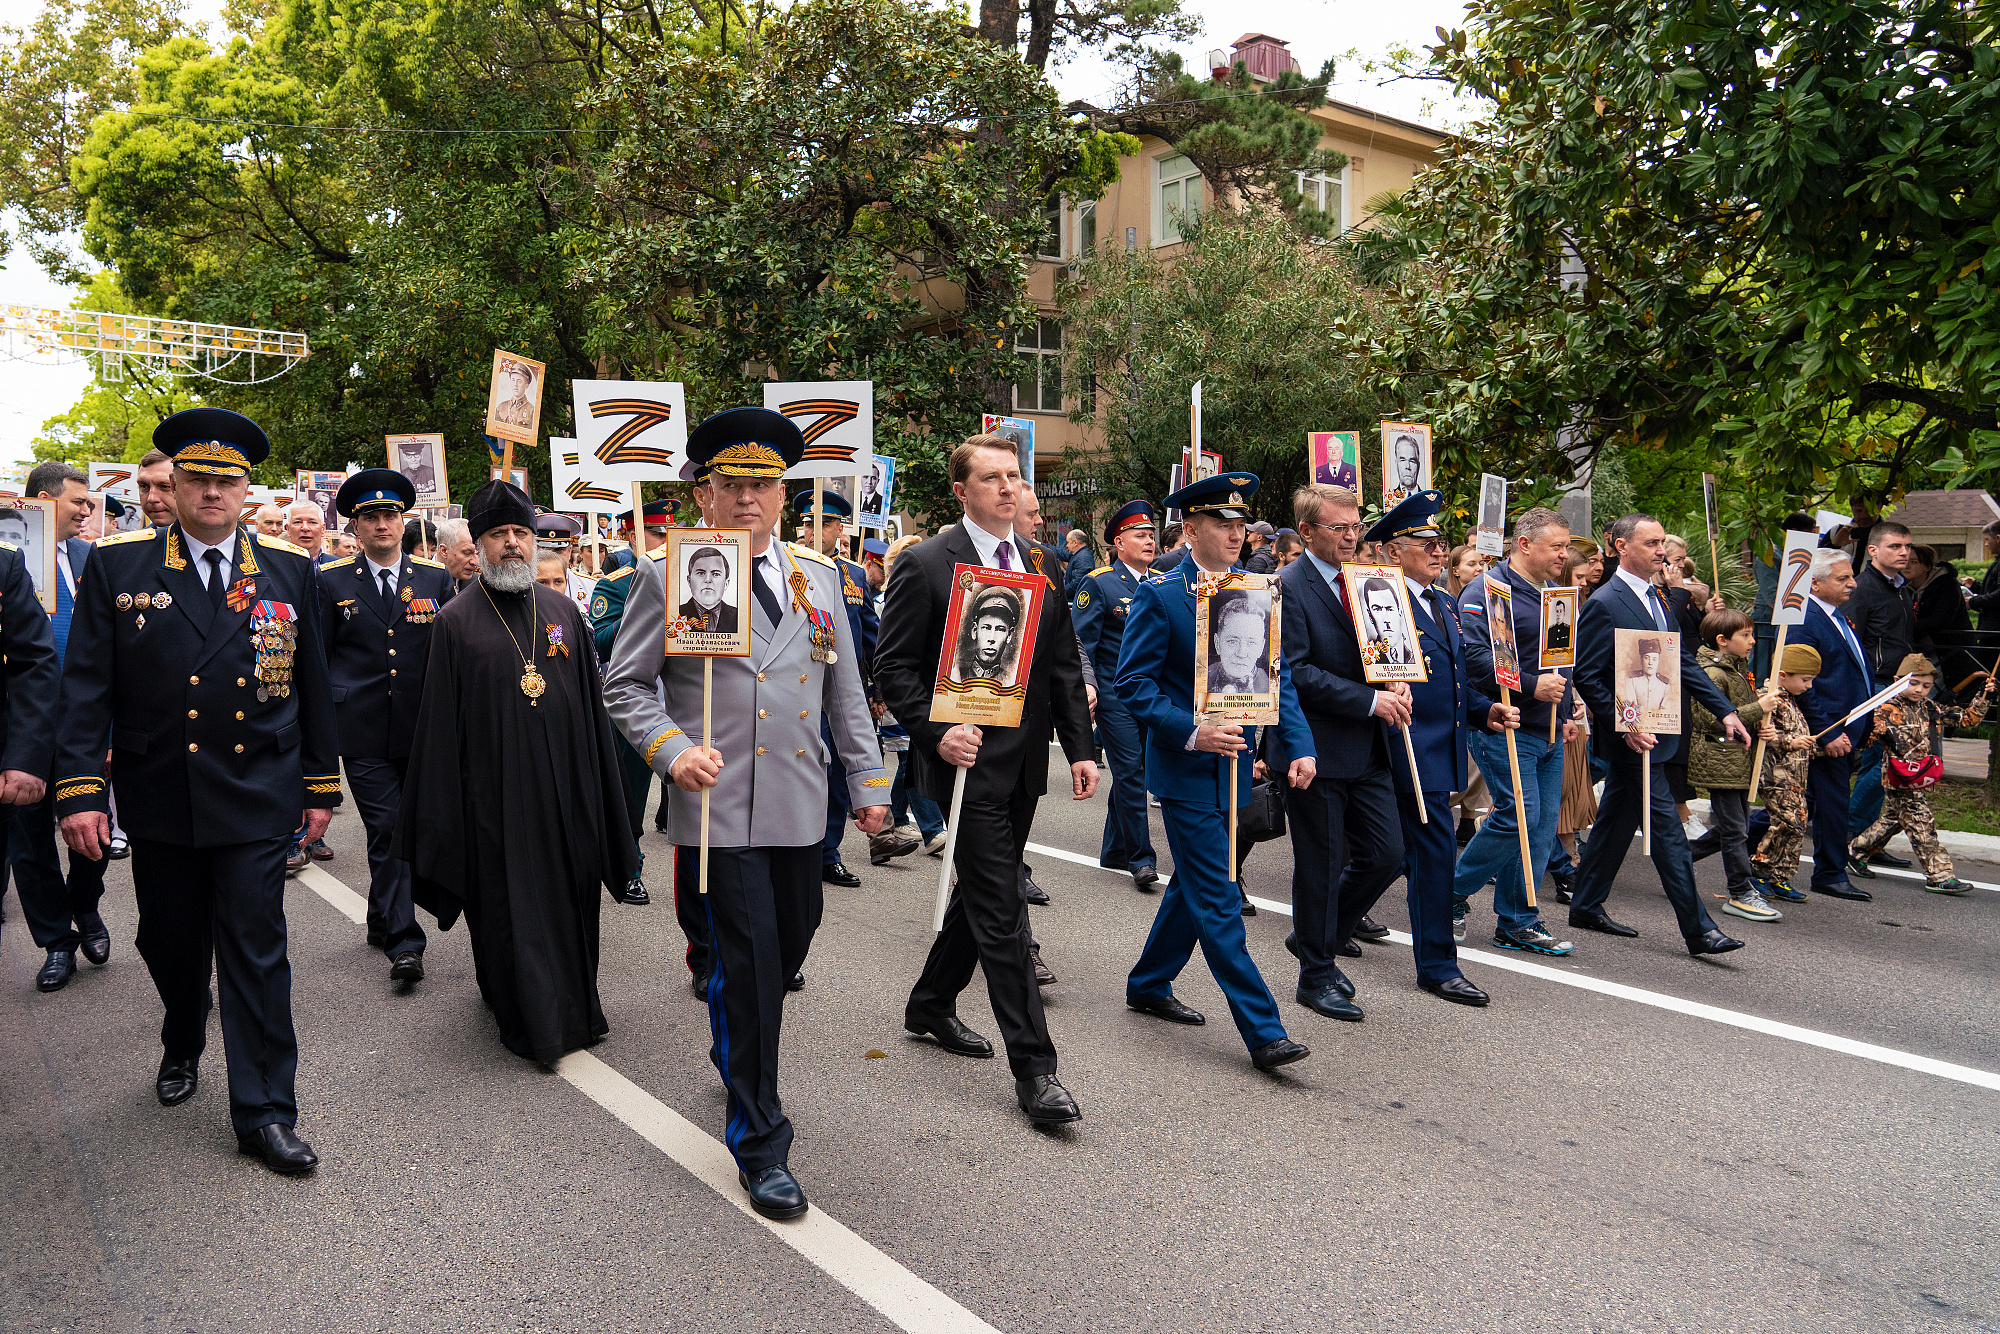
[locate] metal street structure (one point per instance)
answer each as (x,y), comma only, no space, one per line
(225,353)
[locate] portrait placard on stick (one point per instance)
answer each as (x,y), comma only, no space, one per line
(1383,624)
(421,459)
(989,646)
(1237,643)
(837,418)
(878,487)
(1406,461)
(1647,693)
(708,592)
(514,398)
(1021,430)
(320,488)
(1500,631)
(1335,458)
(31,526)
(1490,537)
(1559,626)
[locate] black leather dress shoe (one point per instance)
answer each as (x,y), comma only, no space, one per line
(1857,867)
(699,986)
(1282,1052)
(1347,949)
(1343,984)
(838,874)
(281,1150)
(774,1193)
(1044,976)
(1370,929)
(120,849)
(1249,909)
(319,850)
(96,945)
(1329,1002)
(1889,859)
(56,973)
(1456,990)
(796,982)
(1031,891)
(177,1079)
(634,893)
(1046,1101)
(1843,890)
(1565,883)
(950,1034)
(409,967)
(1144,878)
(1713,943)
(1597,921)
(1167,1008)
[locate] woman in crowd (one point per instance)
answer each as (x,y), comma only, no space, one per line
(1461,567)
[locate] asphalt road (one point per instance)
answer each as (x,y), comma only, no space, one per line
(1565,1159)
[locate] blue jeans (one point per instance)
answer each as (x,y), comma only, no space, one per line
(1864,805)
(905,801)
(1495,851)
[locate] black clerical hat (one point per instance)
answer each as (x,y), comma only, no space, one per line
(498,503)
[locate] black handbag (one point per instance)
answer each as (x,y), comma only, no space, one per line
(1263,818)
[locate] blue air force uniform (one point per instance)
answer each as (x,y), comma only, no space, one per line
(864,625)
(205,670)
(378,640)
(1156,682)
(1442,708)
(1101,606)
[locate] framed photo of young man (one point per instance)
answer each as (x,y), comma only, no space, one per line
(1647,675)
(421,459)
(31,526)
(1490,537)
(1237,642)
(989,647)
(1559,626)
(708,572)
(1406,461)
(1500,630)
(1382,623)
(514,398)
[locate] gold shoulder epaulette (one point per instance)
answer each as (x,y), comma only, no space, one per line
(332,564)
(136,535)
(280,544)
(623,571)
(810,554)
(423,561)
(657,553)
(1102,569)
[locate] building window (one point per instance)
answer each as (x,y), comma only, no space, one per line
(1050,244)
(1177,196)
(1086,230)
(1328,194)
(1039,388)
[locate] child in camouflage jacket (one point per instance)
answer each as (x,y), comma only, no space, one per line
(1788,750)
(1909,728)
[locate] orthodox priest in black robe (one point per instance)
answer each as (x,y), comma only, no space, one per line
(514,804)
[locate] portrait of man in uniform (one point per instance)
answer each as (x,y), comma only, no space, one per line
(1557,635)
(421,459)
(1406,461)
(707,580)
(1648,682)
(988,636)
(514,398)
(30,526)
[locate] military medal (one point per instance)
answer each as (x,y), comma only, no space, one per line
(124,602)
(142,601)
(163,600)
(274,633)
(821,633)
(532,683)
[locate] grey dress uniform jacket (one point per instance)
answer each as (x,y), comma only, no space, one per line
(766,709)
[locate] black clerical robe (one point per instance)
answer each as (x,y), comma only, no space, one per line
(514,812)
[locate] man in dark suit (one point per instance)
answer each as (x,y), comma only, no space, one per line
(376,611)
(1101,604)
(224,769)
(61,911)
(1844,680)
(1443,707)
(30,690)
(1006,771)
(1630,601)
(1347,838)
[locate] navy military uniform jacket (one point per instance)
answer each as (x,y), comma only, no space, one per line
(862,621)
(375,656)
(1102,602)
(201,760)
(1443,707)
(33,673)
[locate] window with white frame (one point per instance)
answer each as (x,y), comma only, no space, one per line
(1086,230)
(1176,196)
(1050,244)
(1039,385)
(1328,194)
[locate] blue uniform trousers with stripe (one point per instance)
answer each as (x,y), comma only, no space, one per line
(1203,906)
(764,905)
(1429,851)
(1128,837)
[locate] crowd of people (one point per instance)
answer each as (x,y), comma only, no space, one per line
(500,717)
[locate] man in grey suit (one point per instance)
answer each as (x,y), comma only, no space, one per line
(765,769)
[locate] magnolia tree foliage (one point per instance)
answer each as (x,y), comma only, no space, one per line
(1763,232)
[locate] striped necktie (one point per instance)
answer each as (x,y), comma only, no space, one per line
(65,606)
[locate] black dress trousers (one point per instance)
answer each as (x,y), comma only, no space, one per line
(226,904)
(57,907)
(1347,847)
(692,910)
(986,926)
(377,785)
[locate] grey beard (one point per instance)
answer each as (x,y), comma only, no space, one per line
(509,576)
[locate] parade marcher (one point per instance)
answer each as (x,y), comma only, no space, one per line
(1983,596)
(458,552)
(986,923)
(1541,543)
(61,909)
(1727,641)
(420,539)
(1910,729)
(1883,612)
(762,767)
(555,535)
(1630,601)
(1191,766)
(1173,548)
(909,809)
(1101,605)
(155,480)
(1347,836)
(376,611)
(30,690)
(212,788)
(1788,755)
(305,528)
(1443,708)
(874,552)
(513,810)
(1078,563)
(1845,679)
(825,534)
(269,520)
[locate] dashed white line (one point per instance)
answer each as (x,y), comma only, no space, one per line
(1963,1074)
(899,1295)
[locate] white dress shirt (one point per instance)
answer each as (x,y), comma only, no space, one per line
(986,544)
(198,553)
(1846,630)
(375,573)
(1648,595)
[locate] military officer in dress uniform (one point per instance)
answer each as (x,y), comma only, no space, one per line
(1443,706)
(375,611)
(823,535)
(1189,765)
(200,640)
(764,769)
(1102,603)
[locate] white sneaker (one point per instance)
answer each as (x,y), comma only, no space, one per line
(1694,829)
(1752,907)
(934,847)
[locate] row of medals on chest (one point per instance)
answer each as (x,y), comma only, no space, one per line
(275,638)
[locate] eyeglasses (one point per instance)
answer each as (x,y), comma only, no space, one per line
(1437,546)
(1337,529)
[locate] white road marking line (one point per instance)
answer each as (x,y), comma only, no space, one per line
(1901,874)
(903,1299)
(1963,1074)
